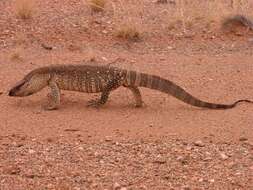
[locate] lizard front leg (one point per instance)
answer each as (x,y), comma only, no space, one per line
(53,96)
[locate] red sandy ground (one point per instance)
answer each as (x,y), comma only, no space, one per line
(164,145)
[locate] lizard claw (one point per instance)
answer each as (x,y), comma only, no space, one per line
(94,103)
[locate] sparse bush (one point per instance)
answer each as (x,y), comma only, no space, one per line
(15,56)
(97,5)
(128,32)
(24,8)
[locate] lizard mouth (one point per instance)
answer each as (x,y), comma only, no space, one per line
(11,93)
(16,88)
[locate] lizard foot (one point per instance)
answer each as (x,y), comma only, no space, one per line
(50,107)
(94,103)
(138,105)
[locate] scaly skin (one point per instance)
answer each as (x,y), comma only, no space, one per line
(103,79)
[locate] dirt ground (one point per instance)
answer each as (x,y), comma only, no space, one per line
(164,145)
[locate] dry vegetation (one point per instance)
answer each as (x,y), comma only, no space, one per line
(97,5)
(16,55)
(128,32)
(24,8)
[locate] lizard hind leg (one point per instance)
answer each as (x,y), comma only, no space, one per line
(100,101)
(137,96)
(112,85)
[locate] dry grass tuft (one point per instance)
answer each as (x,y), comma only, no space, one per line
(24,8)
(128,32)
(16,56)
(97,5)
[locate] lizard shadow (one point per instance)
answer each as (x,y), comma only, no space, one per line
(80,103)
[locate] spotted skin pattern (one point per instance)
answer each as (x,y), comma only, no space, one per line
(101,79)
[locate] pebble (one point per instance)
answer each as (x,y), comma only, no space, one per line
(199,143)
(12,170)
(186,187)
(108,139)
(80,148)
(30,151)
(208,158)
(223,156)
(250,39)
(116,186)
(243,139)
(160,161)
(188,147)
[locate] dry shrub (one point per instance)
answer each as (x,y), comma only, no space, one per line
(127,21)
(128,32)
(16,56)
(97,5)
(24,8)
(205,15)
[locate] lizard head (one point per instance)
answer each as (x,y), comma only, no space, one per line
(29,85)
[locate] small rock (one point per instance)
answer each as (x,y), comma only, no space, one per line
(162,1)
(250,39)
(231,164)
(123,188)
(186,187)
(243,139)
(159,160)
(211,180)
(188,147)
(71,130)
(80,148)
(182,159)
(207,158)
(108,139)
(116,186)
(199,143)
(12,170)
(49,139)
(223,156)
(30,151)
(169,47)
(238,173)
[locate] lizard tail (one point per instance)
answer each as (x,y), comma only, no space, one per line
(168,87)
(237,19)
